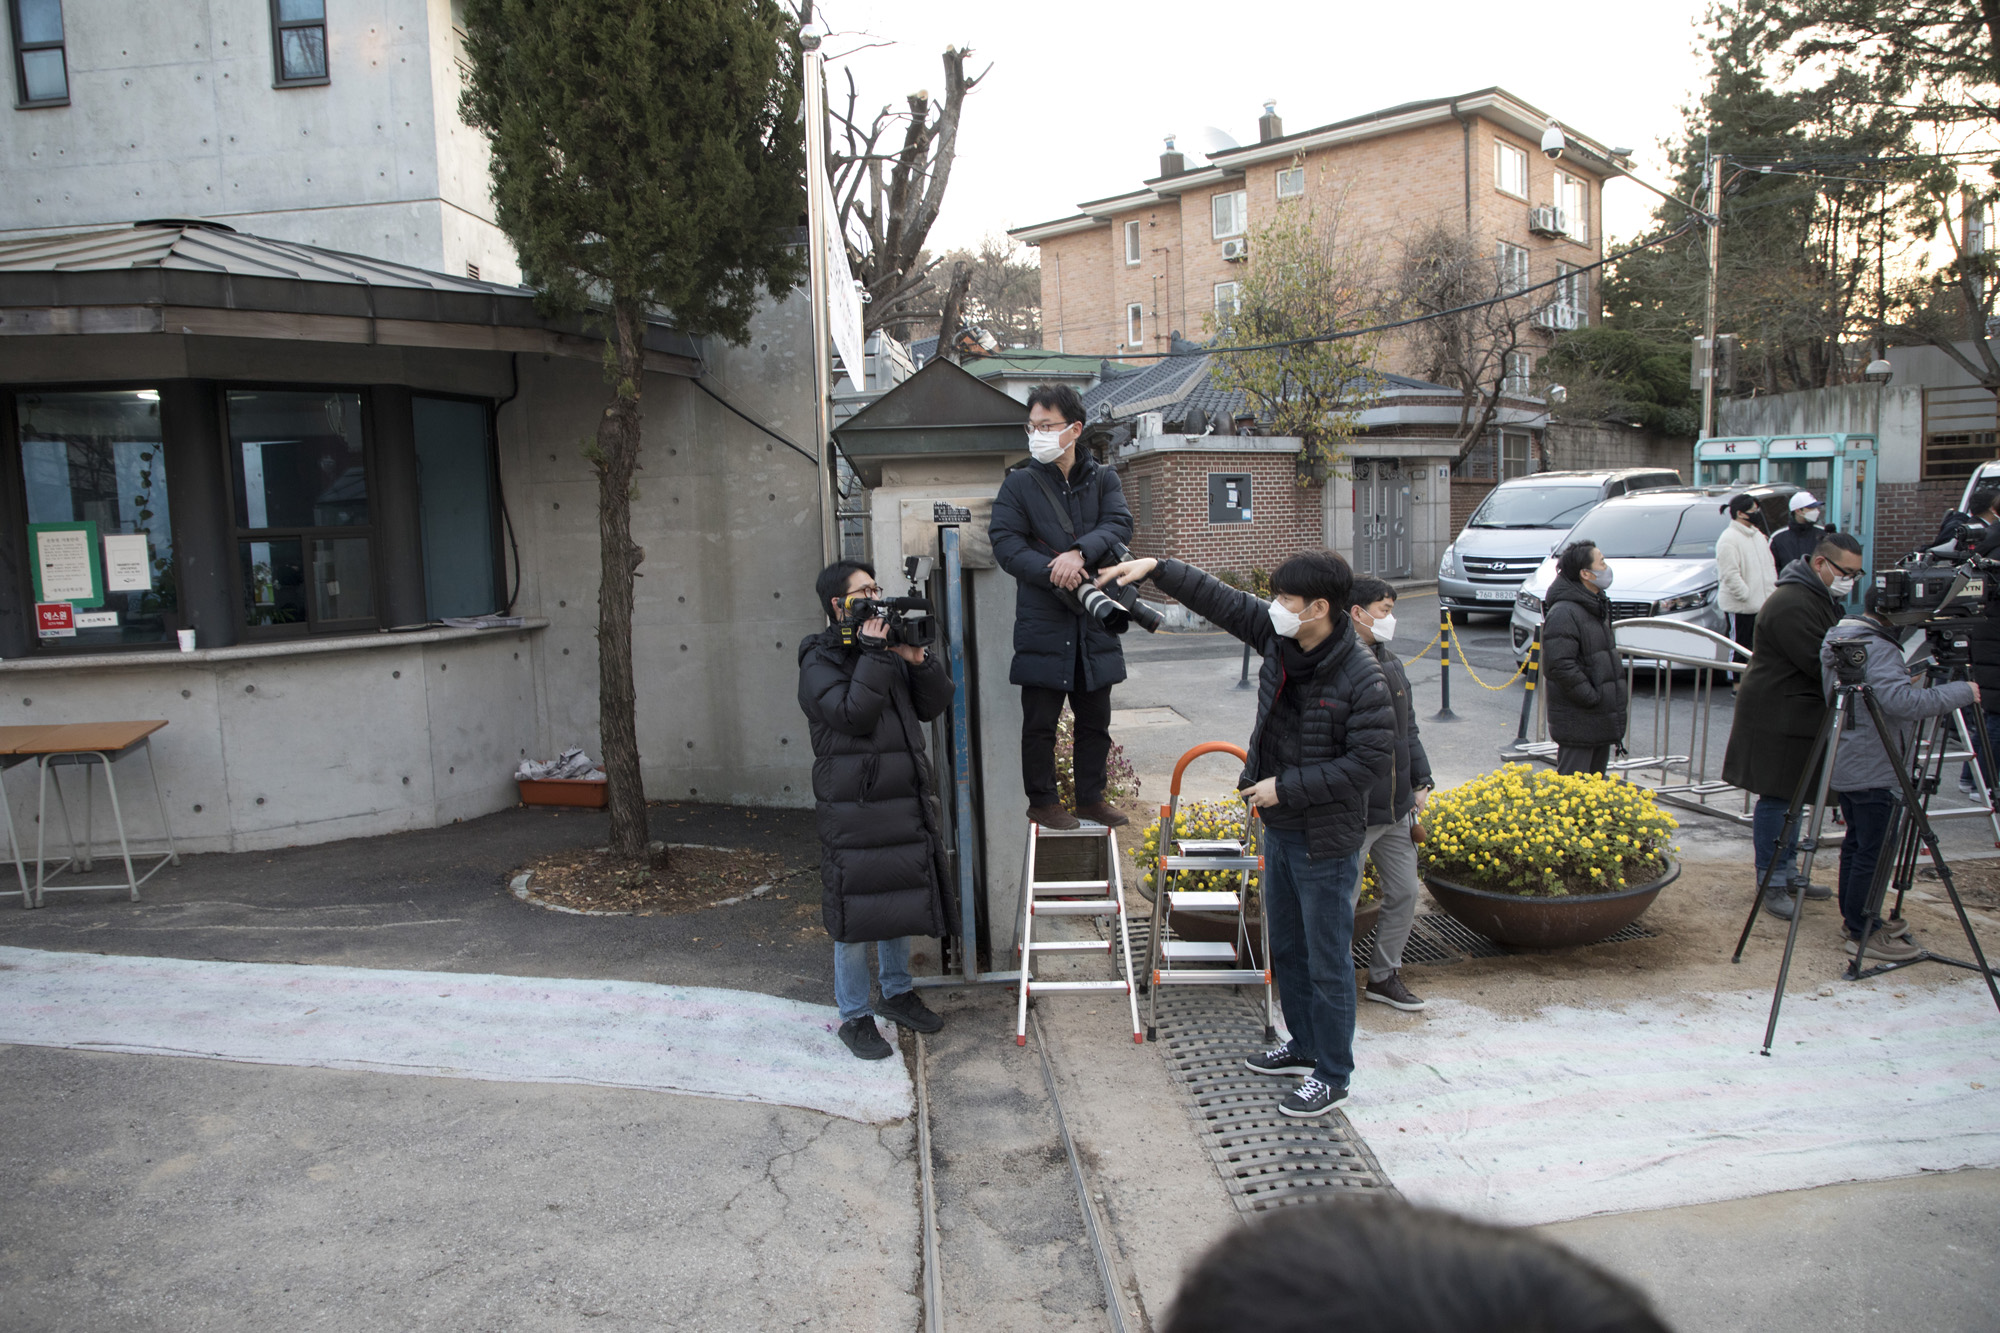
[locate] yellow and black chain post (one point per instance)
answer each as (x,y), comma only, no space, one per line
(1534,674)
(1444,713)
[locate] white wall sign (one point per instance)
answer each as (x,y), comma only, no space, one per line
(128,563)
(97,620)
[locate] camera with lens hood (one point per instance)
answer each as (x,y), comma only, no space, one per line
(906,620)
(1115,608)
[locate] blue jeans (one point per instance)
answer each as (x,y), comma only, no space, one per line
(1767,821)
(1311,910)
(850,974)
(1868,814)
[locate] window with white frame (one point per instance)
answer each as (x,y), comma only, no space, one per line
(1573,290)
(1133,252)
(1573,198)
(1514,459)
(1228,300)
(1510,169)
(1520,374)
(1135,324)
(1229,213)
(1511,261)
(1291,182)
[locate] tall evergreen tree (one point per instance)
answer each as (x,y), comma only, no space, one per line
(647,158)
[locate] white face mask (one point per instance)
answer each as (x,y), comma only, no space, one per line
(1809,515)
(1383,628)
(1046,446)
(1285,622)
(1841,586)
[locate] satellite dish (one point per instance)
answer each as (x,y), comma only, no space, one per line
(1208,141)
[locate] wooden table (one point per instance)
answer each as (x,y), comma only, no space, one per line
(85,744)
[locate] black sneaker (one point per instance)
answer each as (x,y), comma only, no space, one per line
(909,1011)
(1287,1059)
(1311,1098)
(864,1039)
(1390,990)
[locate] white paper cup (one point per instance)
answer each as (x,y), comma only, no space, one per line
(186,637)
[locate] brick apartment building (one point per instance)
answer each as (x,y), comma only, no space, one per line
(1126,274)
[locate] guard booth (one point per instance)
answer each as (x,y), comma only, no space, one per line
(1839,469)
(933,451)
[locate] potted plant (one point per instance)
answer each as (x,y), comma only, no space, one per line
(1218,820)
(1540,860)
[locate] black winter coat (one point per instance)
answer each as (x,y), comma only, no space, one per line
(1779,706)
(1347,730)
(1796,541)
(1026,538)
(882,865)
(1586,702)
(1391,797)
(1984,634)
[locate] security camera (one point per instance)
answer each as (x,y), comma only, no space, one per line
(1552,142)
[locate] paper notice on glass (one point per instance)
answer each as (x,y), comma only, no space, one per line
(63,560)
(97,620)
(128,563)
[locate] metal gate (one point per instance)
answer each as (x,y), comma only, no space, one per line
(1381,518)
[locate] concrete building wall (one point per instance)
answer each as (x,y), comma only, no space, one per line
(172,113)
(1581,446)
(1893,413)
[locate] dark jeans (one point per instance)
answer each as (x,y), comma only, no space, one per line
(1039,710)
(1869,814)
(1743,629)
(1767,821)
(1581,758)
(1312,932)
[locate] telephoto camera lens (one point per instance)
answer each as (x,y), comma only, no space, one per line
(1110,614)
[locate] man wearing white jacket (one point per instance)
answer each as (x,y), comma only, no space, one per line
(1748,574)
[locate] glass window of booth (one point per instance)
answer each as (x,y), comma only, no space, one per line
(100,536)
(298,465)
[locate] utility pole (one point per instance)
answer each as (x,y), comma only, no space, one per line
(1714,170)
(813,113)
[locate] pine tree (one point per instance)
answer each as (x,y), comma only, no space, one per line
(647,158)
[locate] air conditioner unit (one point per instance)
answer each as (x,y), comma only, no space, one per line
(1235,250)
(1150,424)
(1547,221)
(1558,316)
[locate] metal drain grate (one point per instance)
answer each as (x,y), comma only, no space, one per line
(1266,1159)
(1434,939)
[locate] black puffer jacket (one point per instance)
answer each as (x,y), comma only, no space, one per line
(1026,538)
(1391,798)
(1586,700)
(1984,634)
(882,859)
(1796,541)
(1347,730)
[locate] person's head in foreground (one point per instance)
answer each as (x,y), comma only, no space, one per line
(1390,1268)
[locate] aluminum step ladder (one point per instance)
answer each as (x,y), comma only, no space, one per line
(1174,962)
(1102,898)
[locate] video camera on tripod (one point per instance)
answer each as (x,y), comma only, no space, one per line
(1923,591)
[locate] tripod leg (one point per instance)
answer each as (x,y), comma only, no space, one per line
(1821,743)
(1937,855)
(1828,743)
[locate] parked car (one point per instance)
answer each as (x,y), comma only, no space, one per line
(1518,524)
(1986,474)
(1661,546)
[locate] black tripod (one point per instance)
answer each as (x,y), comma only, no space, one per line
(1851,668)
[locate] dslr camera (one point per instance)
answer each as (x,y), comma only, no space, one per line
(908,620)
(1115,608)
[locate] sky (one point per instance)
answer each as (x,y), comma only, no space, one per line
(1082,93)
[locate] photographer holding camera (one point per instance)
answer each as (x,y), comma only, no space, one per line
(1057,516)
(867,695)
(1864,769)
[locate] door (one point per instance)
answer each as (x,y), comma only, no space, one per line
(1381,518)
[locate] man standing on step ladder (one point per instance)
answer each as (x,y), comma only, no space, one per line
(1325,734)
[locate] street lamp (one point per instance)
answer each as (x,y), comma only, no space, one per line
(1879,371)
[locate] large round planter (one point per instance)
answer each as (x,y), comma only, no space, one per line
(1547,923)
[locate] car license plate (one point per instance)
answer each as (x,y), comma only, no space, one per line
(1493,594)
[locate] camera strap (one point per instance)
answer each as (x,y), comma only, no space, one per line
(1056,502)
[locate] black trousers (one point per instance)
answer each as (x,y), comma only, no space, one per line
(1743,629)
(1581,758)
(1040,708)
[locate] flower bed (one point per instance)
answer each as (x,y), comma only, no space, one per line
(1214,820)
(1540,835)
